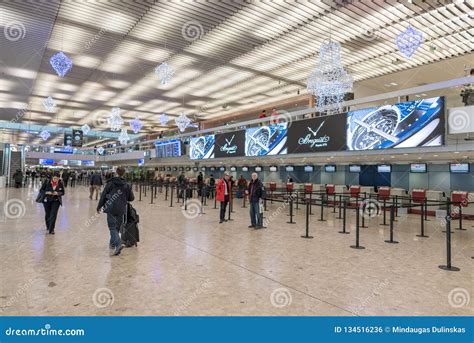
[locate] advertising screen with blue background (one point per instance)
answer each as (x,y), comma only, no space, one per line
(201,147)
(266,140)
(403,125)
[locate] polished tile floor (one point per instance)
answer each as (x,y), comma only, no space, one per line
(188,264)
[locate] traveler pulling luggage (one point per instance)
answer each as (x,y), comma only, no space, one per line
(130,232)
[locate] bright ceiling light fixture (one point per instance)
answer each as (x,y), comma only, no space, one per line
(164,119)
(123,137)
(61,63)
(115,120)
(329,82)
(164,73)
(49,104)
(183,122)
(136,125)
(409,41)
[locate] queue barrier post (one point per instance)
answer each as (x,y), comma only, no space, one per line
(357,245)
(171,197)
(344,219)
(422,218)
(448,265)
(140,193)
(392,218)
(291,212)
(307,221)
(321,219)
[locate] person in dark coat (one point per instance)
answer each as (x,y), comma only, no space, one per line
(18,178)
(113,202)
(65,177)
(96,184)
(255,192)
(53,190)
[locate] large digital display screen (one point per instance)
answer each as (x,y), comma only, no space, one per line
(384,168)
(266,140)
(309,169)
(418,168)
(318,134)
(170,148)
(330,168)
(459,168)
(230,144)
(201,148)
(354,168)
(404,125)
(289,168)
(77,138)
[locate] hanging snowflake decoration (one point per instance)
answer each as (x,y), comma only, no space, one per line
(164,119)
(100,150)
(409,41)
(329,82)
(85,129)
(136,125)
(49,104)
(115,120)
(123,137)
(45,135)
(164,73)
(182,122)
(61,63)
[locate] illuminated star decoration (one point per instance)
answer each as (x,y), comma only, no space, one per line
(115,120)
(45,135)
(182,122)
(164,119)
(100,150)
(49,104)
(409,41)
(136,125)
(164,73)
(85,129)
(329,82)
(61,63)
(123,137)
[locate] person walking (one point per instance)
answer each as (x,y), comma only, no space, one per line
(223,194)
(96,184)
(18,178)
(53,190)
(242,186)
(65,177)
(113,202)
(255,192)
(200,183)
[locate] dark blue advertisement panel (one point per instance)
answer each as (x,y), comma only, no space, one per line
(230,144)
(266,140)
(405,125)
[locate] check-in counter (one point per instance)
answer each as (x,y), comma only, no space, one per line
(435,196)
(341,189)
(401,194)
(469,210)
(369,190)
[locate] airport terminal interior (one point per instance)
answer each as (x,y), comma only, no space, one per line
(237,158)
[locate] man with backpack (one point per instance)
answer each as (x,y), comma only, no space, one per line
(113,201)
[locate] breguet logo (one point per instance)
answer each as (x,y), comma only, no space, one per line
(228,148)
(313,140)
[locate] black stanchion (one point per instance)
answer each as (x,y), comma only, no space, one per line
(151,196)
(363,211)
(344,219)
(460,219)
(243,205)
(166,192)
(307,221)
(334,204)
(422,217)
(140,193)
(340,207)
(144,190)
(321,219)
(384,213)
(215,202)
(171,197)
(357,245)
(392,219)
(230,210)
(291,212)
(426,210)
(297,197)
(203,201)
(396,206)
(448,265)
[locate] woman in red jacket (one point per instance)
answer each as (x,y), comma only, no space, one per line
(223,194)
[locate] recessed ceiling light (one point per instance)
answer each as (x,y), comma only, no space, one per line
(464,157)
(435,155)
(405,154)
(419,158)
(392,156)
(456,152)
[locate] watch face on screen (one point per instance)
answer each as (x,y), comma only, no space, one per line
(202,147)
(404,125)
(266,140)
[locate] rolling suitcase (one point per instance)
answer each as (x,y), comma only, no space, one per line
(130,231)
